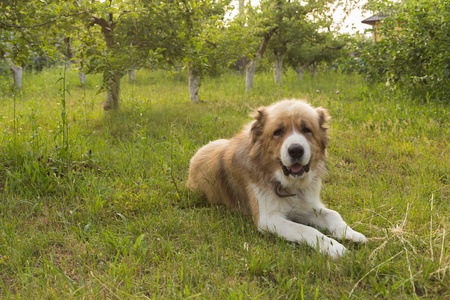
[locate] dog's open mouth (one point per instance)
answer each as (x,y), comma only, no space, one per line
(295,170)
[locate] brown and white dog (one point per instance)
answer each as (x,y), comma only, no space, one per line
(272,169)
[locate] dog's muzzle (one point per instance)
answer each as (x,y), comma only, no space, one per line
(296,169)
(296,153)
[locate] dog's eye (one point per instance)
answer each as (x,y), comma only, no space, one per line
(278,132)
(306,130)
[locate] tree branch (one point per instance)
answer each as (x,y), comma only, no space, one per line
(21,26)
(53,20)
(332,48)
(211,43)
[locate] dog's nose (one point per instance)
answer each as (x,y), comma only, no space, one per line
(296,150)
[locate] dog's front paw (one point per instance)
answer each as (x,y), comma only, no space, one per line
(346,233)
(332,248)
(357,237)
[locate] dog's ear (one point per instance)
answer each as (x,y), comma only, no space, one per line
(260,116)
(323,118)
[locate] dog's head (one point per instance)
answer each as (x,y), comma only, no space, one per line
(290,135)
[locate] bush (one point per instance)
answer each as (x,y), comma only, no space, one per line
(415,48)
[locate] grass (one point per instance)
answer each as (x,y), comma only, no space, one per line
(111,218)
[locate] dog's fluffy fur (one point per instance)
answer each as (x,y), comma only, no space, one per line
(272,170)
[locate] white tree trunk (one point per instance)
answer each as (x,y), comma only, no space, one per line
(132,75)
(278,69)
(82,77)
(17,73)
(17,77)
(241,7)
(313,69)
(112,93)
(251,68)
(250,73)
(300,72)
(193,85)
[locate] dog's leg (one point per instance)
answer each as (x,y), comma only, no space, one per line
(270,217)
(295,232)
(326,218)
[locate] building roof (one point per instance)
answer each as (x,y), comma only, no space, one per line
(373,19)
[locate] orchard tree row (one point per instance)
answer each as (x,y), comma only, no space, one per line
(113,37)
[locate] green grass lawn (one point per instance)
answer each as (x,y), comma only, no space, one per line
(95,205)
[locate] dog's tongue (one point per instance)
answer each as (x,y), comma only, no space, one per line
(296,168)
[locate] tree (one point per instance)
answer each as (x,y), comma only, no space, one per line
(192,33)
(277,23)
(200,30)
(81,23)
(292,34)
(71,58)
(264,21)
(317,47)
(22,26)
(16,70)
(209,41)
(415,48)
(109,56)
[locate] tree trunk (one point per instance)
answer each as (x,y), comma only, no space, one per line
(313,69)
(17,76)
(112,93)
(300,72)
(250,74)
(113,80)
(193,85)
(241,6)
(251,68)
(132,75)
(69,52)
(17,72)
(278,69)
(82,77)
(72,61)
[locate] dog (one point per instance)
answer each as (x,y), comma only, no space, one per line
(272,170)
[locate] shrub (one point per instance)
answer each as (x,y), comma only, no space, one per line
(415,47)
